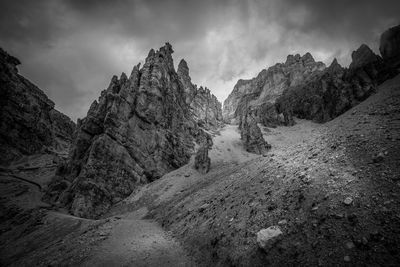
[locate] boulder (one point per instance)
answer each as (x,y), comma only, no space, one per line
(267,238)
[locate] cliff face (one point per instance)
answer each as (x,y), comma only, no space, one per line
(260,93)
(205,107)
(304,88)
(390,46)
(138,130)
(332,92)
(29,122)
(251,135)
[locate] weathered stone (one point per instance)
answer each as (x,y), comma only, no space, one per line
(330,93)
(267,238)
(139,129)
(348,201)
(251,134)
(205,107)
(29,122)
(362,56)
(261,92)
(202,162)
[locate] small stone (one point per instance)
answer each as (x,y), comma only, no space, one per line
(266,238)
(203,207)
(282,222)
(348,201)
(346,258)
(187,175)
(378,158)
(350,245)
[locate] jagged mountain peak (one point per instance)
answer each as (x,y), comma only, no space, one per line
(183,69)
(293,59)
(335,66)
(362,56)
(7,58)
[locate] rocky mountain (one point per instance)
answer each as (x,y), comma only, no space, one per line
(260,93)
(251,135)
(205,107)
(29,122)
(306,89)
(330,93)
(140,128)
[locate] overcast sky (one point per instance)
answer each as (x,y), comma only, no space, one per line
(71,49)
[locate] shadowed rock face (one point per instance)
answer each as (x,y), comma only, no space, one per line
(205,107)
(363,56)
(329,94)
(251,134)
(261,92)
(138,130)
(390,46)
(29,123)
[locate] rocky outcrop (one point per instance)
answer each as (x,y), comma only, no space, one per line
(335,90)
(390,46)
(205,107)
(304,88)
(261,92)
(138,130)
(29,122)
(251,135)
(189,88)
(363,56)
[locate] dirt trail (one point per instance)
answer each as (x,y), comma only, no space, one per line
(134,241)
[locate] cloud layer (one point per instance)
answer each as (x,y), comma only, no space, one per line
(72,48)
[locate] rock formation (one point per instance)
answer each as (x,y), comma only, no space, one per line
(29,122)
(304,88)
(330,93)
(261,92)
(205,107)
(363,56)
(138,130)
(390,46)
(251,134)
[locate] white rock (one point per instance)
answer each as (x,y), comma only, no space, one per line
(348,200)
(266,238)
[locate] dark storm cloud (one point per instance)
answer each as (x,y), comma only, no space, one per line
(71,48)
